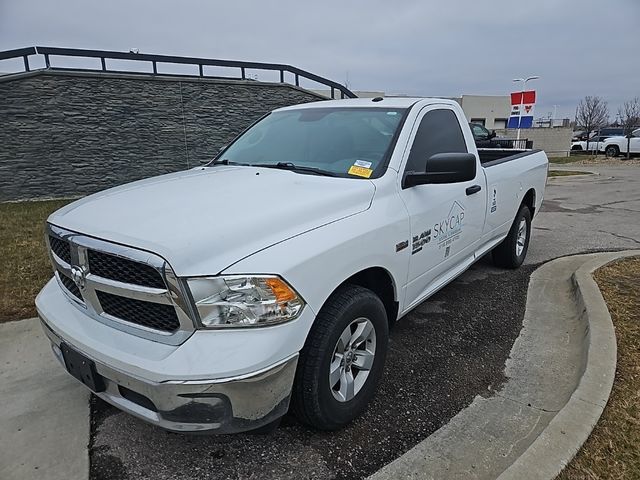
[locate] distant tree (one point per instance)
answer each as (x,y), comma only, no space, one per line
(592,113)
(629,115)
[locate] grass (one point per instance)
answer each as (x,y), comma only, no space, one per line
(565,173)
(25,265)
(613,449)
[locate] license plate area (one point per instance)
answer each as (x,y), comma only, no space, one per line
(82,368)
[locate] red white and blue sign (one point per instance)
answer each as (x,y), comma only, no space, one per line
(522,104)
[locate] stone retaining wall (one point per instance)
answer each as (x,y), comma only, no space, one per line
(68,133)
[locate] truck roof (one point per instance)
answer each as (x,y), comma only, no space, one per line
(388,102)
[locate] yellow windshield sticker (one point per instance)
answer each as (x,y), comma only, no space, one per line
(360,171)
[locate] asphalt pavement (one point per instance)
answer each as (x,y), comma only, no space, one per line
(441,356)
(588,213)
(450,349)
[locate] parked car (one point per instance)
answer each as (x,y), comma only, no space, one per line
(488,139)
(613,146)
(602,133)
(482,136)
(610,132)
(213,299)
(579,135)
(596,144)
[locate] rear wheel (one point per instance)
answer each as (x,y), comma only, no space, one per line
(341,363)
(612,151)
(513,249)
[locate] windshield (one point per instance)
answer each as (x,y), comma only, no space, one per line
(346,142)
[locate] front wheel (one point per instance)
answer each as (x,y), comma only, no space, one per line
(513,249)
(342,360)
(612,151)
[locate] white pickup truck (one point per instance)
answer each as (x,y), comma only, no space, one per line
(215,299)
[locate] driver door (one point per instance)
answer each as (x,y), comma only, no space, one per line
(446,219)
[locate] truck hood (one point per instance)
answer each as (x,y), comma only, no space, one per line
(205,219)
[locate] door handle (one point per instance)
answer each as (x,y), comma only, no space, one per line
(473,189)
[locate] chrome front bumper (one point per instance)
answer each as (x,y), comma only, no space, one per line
(228,405)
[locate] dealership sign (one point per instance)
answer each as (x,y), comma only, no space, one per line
(522,104)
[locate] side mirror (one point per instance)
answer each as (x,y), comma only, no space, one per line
(492,135)
(444,168)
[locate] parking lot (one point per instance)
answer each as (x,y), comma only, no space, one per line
(441,356)
(450,349)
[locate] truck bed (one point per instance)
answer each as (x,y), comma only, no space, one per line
(495,156)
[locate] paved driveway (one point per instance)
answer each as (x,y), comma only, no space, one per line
(450,349)
(593,212)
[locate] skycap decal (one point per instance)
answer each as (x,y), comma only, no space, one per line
(448,230)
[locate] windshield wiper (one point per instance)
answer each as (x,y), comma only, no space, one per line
(226,161)
(295,168)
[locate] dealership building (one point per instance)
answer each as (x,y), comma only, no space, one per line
(492,111)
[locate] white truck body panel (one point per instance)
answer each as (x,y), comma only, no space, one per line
(193,213)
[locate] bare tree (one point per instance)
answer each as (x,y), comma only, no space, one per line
(592,113)
(630,118)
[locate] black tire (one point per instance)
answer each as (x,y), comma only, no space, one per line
(576,148)
(506,253)
(612,151)
(312,399)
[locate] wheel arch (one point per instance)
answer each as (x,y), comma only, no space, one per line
(380,281)
(529,200)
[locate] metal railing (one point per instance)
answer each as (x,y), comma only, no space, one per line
(506,143)
(104,55)
(521,144)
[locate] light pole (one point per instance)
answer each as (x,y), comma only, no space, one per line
(524,86)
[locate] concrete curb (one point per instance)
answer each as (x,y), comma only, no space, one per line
(560,374)
(559,442)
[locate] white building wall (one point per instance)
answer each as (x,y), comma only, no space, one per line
(488,108)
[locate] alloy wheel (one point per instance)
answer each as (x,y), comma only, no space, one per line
(352,359)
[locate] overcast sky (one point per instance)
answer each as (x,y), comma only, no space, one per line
(421,47)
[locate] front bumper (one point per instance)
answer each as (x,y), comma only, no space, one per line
(228,405)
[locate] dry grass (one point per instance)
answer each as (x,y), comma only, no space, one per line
(565,173)
(570,159)
(601,160)
(25,266)
(613,449)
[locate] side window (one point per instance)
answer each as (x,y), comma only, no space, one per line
(439,132)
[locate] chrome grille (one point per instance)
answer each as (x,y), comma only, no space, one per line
(123,287)
(61,248)
(70,285)
(152,315)
(124,270)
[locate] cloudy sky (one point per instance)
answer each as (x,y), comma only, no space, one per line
(416,47)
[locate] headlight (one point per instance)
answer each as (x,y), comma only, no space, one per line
(244,301)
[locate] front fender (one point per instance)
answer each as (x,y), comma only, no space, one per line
(317,262)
